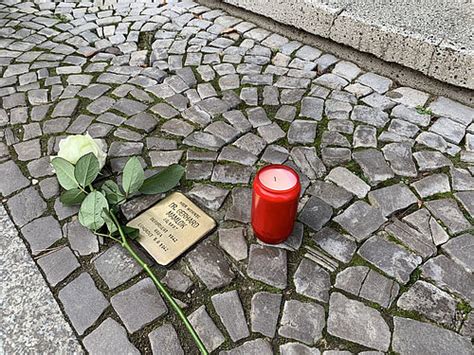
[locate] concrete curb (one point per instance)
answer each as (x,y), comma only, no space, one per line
(432,55)
(31,320)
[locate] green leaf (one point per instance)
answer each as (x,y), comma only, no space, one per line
(112,192)
(163,181)
(65,173)
(109,222)
(73,197)
(86,170)
(130,232)
(133,176)
(90,214)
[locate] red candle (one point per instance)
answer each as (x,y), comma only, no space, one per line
(276,189)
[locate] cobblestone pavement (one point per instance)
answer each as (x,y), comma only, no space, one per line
(382,257)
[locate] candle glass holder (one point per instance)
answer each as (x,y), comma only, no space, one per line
(275,195)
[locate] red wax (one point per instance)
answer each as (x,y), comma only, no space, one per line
(275,195)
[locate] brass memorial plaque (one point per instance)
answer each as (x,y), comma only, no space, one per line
(171,227)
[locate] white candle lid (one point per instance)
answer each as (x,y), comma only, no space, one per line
(277,178)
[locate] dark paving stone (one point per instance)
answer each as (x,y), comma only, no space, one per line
(81,239)
(360,220)
(26,206)
(58,265)
(109,338)
(164,341)
(115,266)
(268,265)
(367,283)
(42,233)
(82,302)
(316,213)
(209,264)
(373,165)
(139,305)
(233,241)
(420,243)
(241,205)
(257,346)
(177,281)
(16,180)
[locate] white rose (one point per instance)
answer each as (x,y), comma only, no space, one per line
(72,148)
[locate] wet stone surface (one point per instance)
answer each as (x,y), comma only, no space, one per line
(384,231)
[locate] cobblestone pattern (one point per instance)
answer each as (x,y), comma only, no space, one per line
(382,256)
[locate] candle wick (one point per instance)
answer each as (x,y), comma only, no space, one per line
(275,178)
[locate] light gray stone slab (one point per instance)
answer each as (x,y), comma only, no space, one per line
(399,155)
(312,108)
(230,311)
(432,185)
(448,275)
(449,213)
(413,337)
(232,240)
(298,349)
(391,258)
(312,281)
(370,116)
(352,320)
(207,330)
(349,181)
(461,250)
(264,313)
(443,106)
(257,346)
(360,220)
(164,340)
(338,245)
(302,321)
(431,302)
(392,198)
